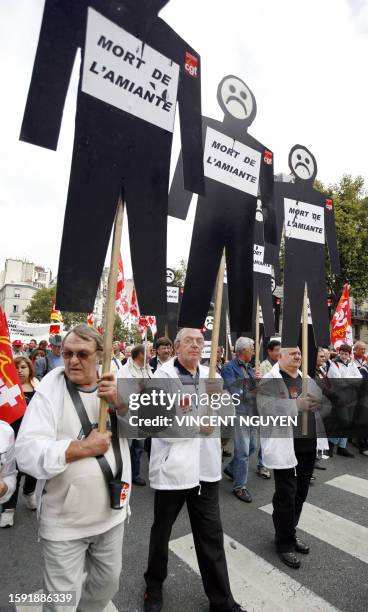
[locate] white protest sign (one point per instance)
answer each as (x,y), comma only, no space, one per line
(122,71)
(258,258)
(172,295)
(230,162)
(310,322)
(206,351)
(304,221)
(21,330)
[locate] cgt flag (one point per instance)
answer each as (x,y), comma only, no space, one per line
(12,401)
(56,320)
(341,329)
(147,321)
(121,300)
(133,304)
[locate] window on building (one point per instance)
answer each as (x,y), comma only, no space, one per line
(16,293)
(15,308)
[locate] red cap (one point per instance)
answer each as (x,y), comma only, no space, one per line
(17,343)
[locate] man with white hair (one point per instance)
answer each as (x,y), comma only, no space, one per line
(359,352)
(188,470)
(240,379)
(284,450)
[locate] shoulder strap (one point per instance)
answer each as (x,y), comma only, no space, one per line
(87,428)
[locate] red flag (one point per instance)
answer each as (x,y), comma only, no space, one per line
(12,401)
(90,319)
(148,321)
(56,320)
(121,300)
(341,329)
(133,304)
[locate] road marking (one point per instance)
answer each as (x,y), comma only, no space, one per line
(335,530)
(255,583)
(352,484)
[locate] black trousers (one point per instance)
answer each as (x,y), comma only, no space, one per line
(204,516)
(291,490)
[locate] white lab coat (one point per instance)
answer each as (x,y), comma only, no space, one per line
(278,447)
(38,452)
(183,463)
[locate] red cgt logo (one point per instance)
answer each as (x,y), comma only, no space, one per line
(268,157)
(191,64)
(329,204)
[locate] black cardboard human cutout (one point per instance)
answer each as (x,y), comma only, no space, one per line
(134,69)
(308,218)
(262,277)
(237,167)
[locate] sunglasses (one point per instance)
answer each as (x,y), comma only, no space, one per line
(80,355)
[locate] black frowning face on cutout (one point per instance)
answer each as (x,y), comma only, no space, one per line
(302,163)
(236,99)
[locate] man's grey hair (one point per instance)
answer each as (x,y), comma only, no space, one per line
(243,343)
(86,332)
(182,332)
(359,343)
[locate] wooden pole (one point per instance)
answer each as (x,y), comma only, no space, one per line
(145,346)
(217,317)
(110,306)
(305,360)
(257,341)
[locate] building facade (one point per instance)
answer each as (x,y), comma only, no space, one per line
(19,281)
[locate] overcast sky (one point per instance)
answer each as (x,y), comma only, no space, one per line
(305,60)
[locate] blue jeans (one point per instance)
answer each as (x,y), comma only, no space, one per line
(341,442)
(136,449)
(245,441)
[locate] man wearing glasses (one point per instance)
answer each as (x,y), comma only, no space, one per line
(58,443)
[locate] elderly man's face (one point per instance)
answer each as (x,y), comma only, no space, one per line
(80,360)
(189,349)
(360,349)
(247,353)
(291,358)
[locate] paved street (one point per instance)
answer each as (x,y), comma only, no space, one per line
(332,577)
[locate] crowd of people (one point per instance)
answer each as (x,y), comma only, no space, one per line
(84,477)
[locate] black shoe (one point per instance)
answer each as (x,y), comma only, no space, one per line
(152,601)
(243,495)
(301,547)
(289,559)
(139,481)
(228,473)
(344,452)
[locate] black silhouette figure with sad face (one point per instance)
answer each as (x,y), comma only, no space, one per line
(134,70)
(238,169)
(307,217)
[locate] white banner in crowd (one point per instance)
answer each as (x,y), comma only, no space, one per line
(20,330)
(121,70)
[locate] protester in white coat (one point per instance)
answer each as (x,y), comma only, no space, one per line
(188,471)
(58,444)
(8,472)
(285,451)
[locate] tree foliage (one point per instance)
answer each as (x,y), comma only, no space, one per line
(351,218)
(40,306)
(123,334)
